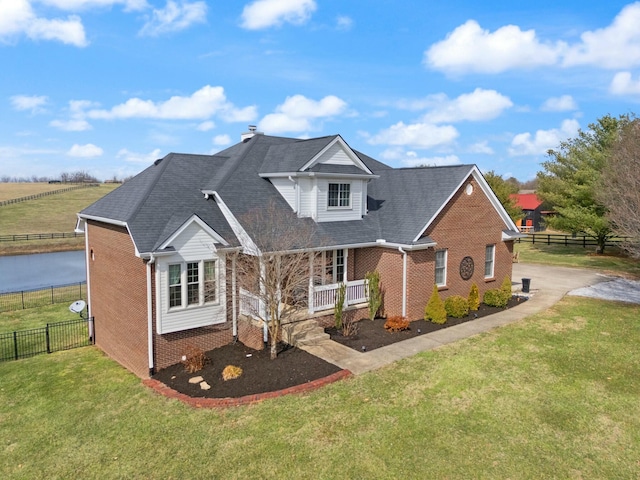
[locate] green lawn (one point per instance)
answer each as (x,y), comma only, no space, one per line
(612,261)
(35,317)
(554,396)
(50,214)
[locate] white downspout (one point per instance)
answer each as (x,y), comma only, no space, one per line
(233,297)
(87,259)
(150,315)
(404,281)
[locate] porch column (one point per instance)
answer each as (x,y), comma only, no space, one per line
(234,314)
(310,299)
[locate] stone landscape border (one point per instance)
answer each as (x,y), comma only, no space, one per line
(202,402)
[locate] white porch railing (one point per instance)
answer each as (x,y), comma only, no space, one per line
(250,304)
(324,296)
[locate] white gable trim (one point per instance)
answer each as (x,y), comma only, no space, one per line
(82,223)
(486,189)
(248,245)
(350,153)
(205,228)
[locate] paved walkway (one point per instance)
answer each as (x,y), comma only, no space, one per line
(548,286)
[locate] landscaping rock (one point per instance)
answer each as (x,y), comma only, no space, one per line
(196,379)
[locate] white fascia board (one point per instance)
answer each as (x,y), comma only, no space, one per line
(350,153)
(378,243)
(248,245)
(81,225)
(110,221)
(486,189)
(206,228)
(318,174)
(512,235)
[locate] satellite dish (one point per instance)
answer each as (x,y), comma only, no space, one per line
(77,306)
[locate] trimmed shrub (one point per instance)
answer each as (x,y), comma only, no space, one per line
(495,298)
(231,372)
(474,297)
(506,287)
(374,295)
(396,324)
(194,359)
(435,311)
(456,306)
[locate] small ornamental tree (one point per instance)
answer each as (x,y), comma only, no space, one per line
(474,298)
(374,294)
(435,311)
(338,307)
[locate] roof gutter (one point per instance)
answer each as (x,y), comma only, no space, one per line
(151,261)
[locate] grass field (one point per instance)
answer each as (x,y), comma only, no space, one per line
(50,214)
(9,191)
(553,396)
(612,261)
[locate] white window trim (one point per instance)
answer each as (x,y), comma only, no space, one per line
(493,261)
(446,258)
(185,288)
(340,207)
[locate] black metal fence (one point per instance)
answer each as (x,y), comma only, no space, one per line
(20,237)
(52,338)
(42,296)
(569,240)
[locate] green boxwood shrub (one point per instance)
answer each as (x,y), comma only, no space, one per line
(495,298)
(506,286)
(456,306)
(435,311)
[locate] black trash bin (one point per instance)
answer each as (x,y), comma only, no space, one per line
(526,283)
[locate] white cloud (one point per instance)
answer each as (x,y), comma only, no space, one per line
(624,84)
(222,139)
(543,140)
(206,126)
(481,147)
(564,103)
(472,49)
(134,157)
(75,5)
(34,103)
(469,48)
(410,158)
(297,114)
(476,106)
(201,105)
(17,17)
(85,151)
(417,135)
(77,122)
(73,125)
(344,22)
(615,46)
(174,17)
(269,13)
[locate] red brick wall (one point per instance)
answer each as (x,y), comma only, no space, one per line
(118,296)
(465,227)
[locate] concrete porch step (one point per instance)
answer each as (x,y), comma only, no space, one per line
(307,332)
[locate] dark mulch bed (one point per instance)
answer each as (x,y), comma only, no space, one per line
(260,374)
(293,366)
(372,335)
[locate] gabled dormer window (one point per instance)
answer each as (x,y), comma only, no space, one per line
(339,195)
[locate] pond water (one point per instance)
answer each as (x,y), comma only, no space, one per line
(28,272)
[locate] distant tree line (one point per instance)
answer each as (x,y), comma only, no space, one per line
(80,176)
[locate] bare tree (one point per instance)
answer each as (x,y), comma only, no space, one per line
(276,266)
(620,188)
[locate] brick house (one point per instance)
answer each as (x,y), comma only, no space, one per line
(161,248)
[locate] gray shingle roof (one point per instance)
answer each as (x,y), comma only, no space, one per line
(159,200)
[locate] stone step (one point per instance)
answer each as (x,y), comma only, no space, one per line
(307,332)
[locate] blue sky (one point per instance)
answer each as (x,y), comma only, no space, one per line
(108,86)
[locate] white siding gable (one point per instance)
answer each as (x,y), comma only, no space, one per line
(335,155)
(192,244)
(287,189)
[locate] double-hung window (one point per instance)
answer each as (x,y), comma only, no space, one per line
(334,266)
(441,268)
(192,283)
(339,195)
(489,260)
